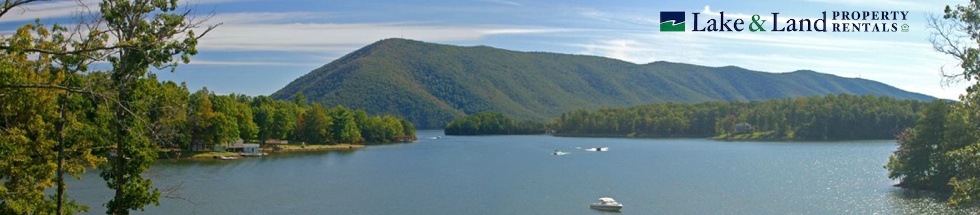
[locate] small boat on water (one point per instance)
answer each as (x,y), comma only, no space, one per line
(222,157)
(607,204)
(559,152)
(598,149)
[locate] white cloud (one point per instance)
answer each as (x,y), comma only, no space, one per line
(47,10)
(320,37)
(262,17)
(247,63)
(62,9)
(619,17)
(504,2)
(892,4)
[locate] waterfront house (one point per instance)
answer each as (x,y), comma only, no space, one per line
(244,148)
(743,127)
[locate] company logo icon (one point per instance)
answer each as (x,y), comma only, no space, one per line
(672,21)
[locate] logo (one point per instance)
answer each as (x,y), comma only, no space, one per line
(672,21)
(827,21)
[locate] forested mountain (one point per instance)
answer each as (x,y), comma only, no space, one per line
(431,84)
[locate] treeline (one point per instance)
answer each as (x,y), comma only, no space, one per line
(490,123)
(940,152)
(813,118)
(205,119)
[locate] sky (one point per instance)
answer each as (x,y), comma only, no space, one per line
(262,45)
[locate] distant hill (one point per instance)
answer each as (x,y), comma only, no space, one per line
(431,84)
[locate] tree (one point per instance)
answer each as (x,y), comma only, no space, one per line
(226,124)
(344,128)
(169,115)
(52,118)
(145,33)
(920,160)
(953,160)
(201,116)
(316,125)
(247,129)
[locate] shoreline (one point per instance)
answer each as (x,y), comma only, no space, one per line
(211,155)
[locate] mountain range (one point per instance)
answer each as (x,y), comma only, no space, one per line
(430,84)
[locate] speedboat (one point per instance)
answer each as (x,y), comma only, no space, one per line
(222,157)
(559,152)
(598,149)
(606,204)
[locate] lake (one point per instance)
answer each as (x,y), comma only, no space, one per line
(519,175)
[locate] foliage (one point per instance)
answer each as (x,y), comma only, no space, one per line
(818,117)
(942,151)
(57,117)
(488,123)
(344,128)
(920,161)
(46,107)
(431,84)
(119,103)
(314,125)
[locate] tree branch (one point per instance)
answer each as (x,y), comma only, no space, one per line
(46,86)
(10,5)
(71,52)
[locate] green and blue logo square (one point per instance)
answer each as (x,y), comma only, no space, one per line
(672,21)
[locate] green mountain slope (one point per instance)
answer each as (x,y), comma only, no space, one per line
(431,84)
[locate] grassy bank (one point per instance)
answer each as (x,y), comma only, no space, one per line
(319,147)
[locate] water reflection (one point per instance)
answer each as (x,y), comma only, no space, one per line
(924,202)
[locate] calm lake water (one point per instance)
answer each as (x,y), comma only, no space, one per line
(519,175)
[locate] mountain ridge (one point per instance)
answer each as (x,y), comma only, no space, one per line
(431,84)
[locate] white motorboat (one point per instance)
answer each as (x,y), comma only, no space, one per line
(222,157)
(598,149)
(559,152)
(606,204)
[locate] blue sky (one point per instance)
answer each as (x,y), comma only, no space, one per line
(263,45)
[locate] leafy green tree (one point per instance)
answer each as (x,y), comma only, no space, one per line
(169,115)
(240,110)
(344,128)
(145,33)
(283,120)
(408,128)
(919,161)
(954,159)
(226,125)
(941,152)
(52,116)
(316,125)
(201,117)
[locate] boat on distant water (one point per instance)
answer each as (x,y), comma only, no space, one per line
(606,204)
(222,157)
(598,149)
(559,152)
